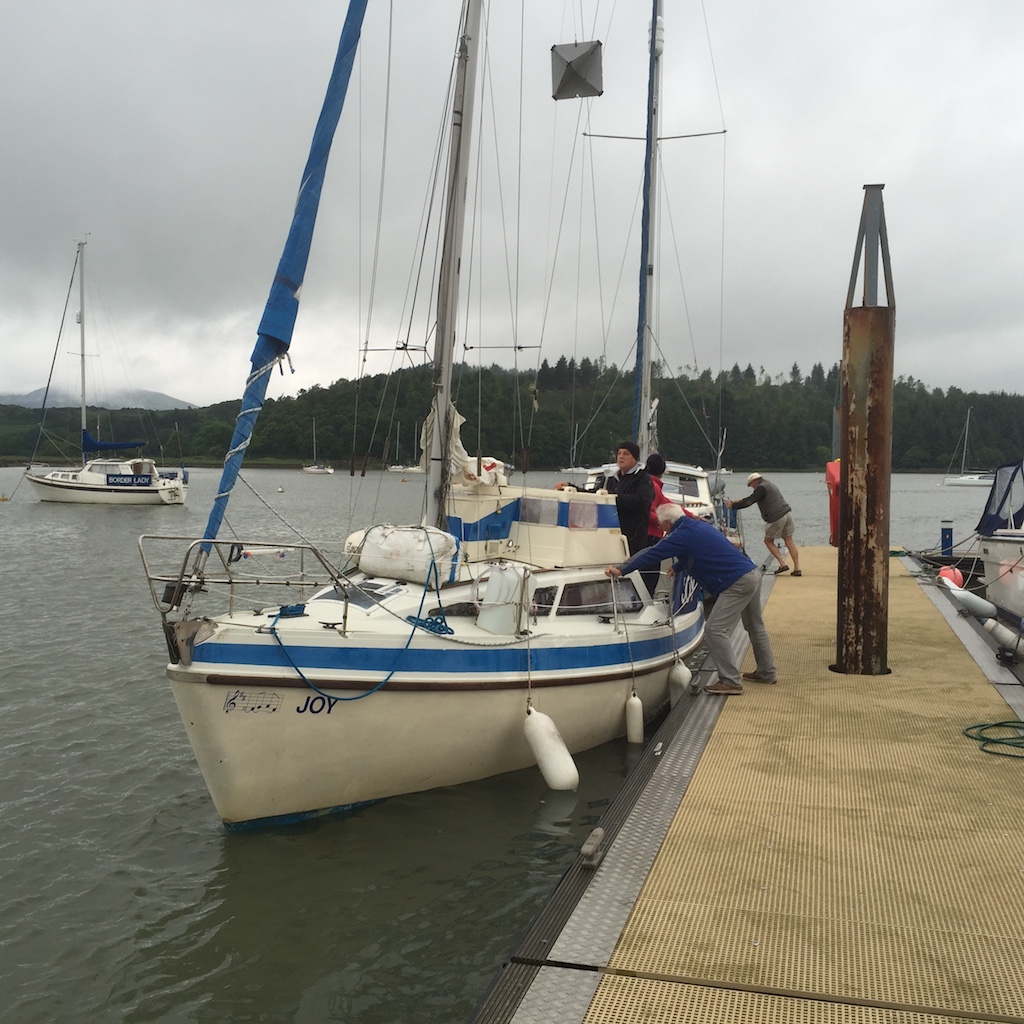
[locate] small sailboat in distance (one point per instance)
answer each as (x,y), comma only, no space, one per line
(968,477)
(107,477)
(316,466)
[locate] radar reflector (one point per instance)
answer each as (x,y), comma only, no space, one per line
(576,70)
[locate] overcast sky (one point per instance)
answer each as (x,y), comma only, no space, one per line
(173,134)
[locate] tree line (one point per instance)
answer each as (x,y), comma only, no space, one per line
(561,414)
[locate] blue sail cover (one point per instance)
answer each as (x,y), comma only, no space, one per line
(1005,507)
(90,444)
(278,323)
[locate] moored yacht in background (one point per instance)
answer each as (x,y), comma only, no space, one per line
(108,479)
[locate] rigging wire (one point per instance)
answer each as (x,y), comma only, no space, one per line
(46,393)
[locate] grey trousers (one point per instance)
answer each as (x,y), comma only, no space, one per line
(740,602)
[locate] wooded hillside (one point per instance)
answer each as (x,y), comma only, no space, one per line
(532,418)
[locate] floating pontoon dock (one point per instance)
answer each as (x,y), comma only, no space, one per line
(828,849)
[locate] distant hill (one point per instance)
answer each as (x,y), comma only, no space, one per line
(153,400)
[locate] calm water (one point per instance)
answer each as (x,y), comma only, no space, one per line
(123,899)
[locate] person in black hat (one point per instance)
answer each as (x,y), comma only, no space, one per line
(633,491)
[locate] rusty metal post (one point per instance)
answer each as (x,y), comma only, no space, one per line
(869,333)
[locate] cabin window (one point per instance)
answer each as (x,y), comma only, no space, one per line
(539,510)
(595,598)
(582,515)
(688,486)
(543,599)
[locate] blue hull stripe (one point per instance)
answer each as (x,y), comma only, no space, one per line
(454,660)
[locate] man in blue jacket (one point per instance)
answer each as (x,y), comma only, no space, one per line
(726,574)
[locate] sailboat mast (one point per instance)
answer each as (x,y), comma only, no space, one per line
(967,431)
(451,253)
(81,335)
(644,423)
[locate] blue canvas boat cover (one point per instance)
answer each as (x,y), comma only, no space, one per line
(1005,507)
(90,444)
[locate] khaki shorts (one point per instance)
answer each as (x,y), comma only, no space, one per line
(781,528)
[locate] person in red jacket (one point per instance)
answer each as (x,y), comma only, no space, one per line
(655,467)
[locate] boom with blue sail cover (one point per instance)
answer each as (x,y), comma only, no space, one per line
(278,323)
(90,444)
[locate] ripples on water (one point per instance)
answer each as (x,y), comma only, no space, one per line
(123,899)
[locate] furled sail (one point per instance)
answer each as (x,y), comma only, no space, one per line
(278,323)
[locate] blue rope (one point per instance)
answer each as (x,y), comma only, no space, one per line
(434,624)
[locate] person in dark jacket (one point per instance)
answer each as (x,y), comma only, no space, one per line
(777,516)
(725,573)
(634,494)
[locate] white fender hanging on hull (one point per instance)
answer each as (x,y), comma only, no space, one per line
(679,679)
(634,719)
(553,757)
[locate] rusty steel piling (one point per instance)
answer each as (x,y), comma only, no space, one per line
(869,332)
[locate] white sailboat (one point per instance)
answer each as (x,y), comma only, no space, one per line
(105,479)
(487,640)
(968,477)
(405,468)
(316,466)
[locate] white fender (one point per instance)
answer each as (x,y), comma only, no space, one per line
(1003,636)
(553,757)
(973,604)
(679,678)
(634,719)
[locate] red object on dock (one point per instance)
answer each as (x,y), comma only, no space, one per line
(832,482)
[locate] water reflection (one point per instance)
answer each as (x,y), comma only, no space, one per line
(402,911)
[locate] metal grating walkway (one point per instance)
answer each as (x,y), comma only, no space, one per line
(841,853)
